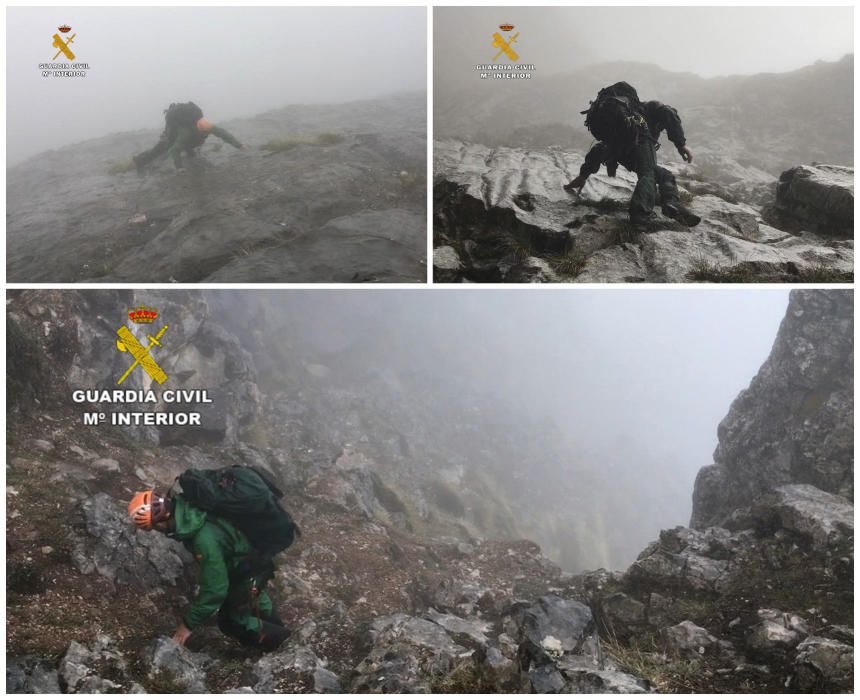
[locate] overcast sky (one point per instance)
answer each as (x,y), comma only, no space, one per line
(231,61)
(709,41)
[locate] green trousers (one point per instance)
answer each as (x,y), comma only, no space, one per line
(251,621)
(641,159)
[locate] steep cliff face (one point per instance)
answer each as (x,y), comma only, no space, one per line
(795,422)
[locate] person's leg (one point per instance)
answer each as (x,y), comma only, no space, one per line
(252,623)
(159,149)
(671,199)
(645,195)
(667,187)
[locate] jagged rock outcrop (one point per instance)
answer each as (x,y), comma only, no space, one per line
(709,595)
(501,215)
(124,556)
(348,207)
(196,350)
(795,422)
(818,198)
(31,675)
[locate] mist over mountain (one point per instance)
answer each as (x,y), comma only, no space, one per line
(770,121)
(452,518)
(771,180)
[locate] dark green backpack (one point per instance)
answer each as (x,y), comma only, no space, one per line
(248,499)
(616,115)
(182,114)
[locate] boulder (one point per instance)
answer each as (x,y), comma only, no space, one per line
(558,626)
(688,640)
(823,665)
(622,614)
(184,668)
(818,198)
(407,653)
(476,630)
(297,669)
(120,553)
(31,675)
(823,518)
(98,668)
(776,632)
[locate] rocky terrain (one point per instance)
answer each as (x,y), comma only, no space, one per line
(502,215)
(771,211)
(757,596)
(323,194)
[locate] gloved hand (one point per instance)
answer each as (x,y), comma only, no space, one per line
(686,154)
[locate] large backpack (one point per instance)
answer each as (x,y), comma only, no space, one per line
(248,499)
(182,114)
(616,115)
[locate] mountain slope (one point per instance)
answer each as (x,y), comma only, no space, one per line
(339,199)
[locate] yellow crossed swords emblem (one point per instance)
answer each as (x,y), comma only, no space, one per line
(505,47)
(128,343)
(63,47)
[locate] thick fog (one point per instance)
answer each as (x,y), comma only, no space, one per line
(660,366)
(233,62)
(621,387)
(708,41)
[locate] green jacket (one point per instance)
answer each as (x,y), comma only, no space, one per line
(187,138)
(220,549)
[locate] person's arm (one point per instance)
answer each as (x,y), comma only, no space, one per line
(675,131)
(225,135)
(594,159)
(214,581)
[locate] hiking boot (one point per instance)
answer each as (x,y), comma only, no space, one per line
(679,213)
(639,222)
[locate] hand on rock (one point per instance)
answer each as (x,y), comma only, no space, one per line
(181,635)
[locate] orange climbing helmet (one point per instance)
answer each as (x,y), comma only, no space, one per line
(204,126)
(146,508)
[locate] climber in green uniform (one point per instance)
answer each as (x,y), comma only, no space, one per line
(628,133)
(228,583)
(185,130)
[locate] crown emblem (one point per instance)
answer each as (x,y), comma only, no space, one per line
(142,314)
(506,27)
(65,28)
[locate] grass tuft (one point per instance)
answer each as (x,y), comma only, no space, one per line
(279,145)
(644,659)
(570,264)
(123,166)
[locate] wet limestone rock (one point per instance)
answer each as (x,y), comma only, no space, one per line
(184,668)
(99,668)
(31,675)
(795,422)
(502,211)
(407,654)
(818,198)
(122,554)
(824,518)
(689,640)
(297,669)
(824,665)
